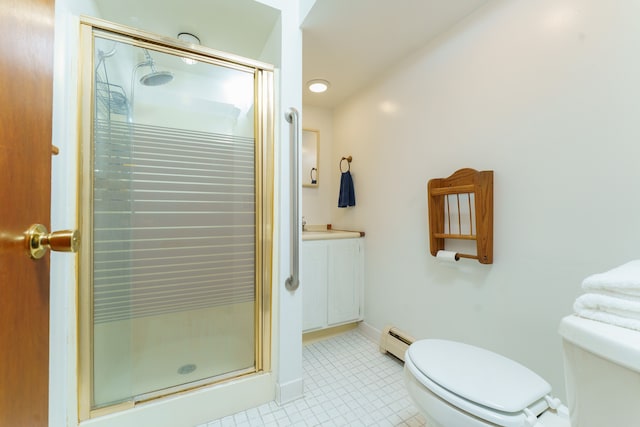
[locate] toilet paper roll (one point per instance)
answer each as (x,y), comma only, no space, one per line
(447,256)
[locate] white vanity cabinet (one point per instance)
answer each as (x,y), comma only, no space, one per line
(332,282)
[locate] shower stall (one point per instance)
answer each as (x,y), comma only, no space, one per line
(176,202)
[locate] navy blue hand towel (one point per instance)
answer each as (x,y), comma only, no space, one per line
(347,195)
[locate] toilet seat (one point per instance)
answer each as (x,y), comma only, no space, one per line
(479,382)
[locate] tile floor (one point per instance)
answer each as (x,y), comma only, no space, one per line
(347,382)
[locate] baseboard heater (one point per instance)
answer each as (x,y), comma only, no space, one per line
(395,342)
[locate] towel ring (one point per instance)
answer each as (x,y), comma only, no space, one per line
(348,159)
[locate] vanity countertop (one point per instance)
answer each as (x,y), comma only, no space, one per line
(325,232)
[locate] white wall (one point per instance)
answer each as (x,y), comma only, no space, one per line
(317,201)
(63,400)
(287,305)
(546,94)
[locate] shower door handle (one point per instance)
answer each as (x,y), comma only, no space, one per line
(38,240)
(293,281)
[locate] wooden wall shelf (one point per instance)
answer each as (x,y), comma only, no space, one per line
(461,207)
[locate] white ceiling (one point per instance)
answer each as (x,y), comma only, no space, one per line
(240,27)
(350,43)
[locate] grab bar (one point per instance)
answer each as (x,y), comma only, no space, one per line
(293,281)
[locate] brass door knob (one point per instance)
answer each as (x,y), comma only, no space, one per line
(38,240)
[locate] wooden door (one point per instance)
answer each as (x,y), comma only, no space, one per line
(26,67)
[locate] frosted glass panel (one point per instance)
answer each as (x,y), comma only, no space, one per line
(174,222)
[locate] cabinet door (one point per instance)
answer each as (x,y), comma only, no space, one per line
(313,283)
(345,281)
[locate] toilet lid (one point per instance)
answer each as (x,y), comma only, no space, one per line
(478,375)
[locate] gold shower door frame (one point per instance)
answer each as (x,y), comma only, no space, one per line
(264,177)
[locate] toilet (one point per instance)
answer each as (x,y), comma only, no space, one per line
(458,385)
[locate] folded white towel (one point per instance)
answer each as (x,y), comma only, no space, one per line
(611,319)
(613,294)
(617,311)
(624,279)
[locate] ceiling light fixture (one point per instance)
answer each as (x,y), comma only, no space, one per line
(189,38)
(318,85)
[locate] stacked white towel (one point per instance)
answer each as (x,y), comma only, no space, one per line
(612,297)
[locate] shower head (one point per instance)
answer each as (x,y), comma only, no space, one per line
(156,78)
(153,78)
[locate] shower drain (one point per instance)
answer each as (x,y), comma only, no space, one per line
(186,369)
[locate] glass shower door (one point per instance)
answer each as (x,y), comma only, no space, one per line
(175,215)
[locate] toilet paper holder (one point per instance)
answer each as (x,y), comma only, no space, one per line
(461,207)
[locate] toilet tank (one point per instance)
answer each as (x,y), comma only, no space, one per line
(602,373)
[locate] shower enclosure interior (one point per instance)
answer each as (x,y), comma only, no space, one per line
(176,201)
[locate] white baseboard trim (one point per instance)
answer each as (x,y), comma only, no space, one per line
(370,332)
(289,391)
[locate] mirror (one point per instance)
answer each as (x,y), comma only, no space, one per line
(310,150)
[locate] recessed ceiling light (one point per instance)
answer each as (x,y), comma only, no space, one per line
(318,85)
(189,38)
